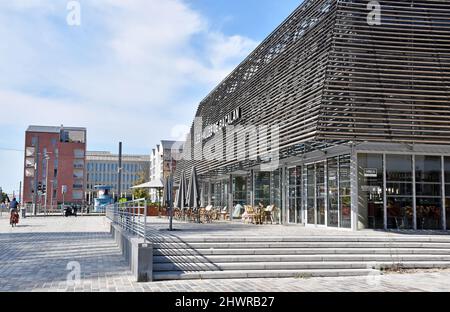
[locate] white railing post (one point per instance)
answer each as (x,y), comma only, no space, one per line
(145,222)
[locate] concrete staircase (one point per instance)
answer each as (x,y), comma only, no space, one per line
(310,256)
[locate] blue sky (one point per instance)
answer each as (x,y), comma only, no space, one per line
(142,66)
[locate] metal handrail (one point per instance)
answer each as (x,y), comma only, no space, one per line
(130,216)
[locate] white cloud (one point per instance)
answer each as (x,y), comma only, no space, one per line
(130,72)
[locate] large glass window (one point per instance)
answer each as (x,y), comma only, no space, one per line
(370,197)
(429,192)
(447,190)
(239,190)
(262,188)
(218,196)
(333,192)
(399,192)
(275,189)
(310,193)
(292,187)
(321,193)
(295,194)
(345,191)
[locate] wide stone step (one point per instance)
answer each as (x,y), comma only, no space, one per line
(297,258)
(297,251)
(236,239)
(242,274)
(317,244)
(295,265)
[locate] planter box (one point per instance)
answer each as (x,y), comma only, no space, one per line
(152,211)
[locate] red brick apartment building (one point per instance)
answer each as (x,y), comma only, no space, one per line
(63,149)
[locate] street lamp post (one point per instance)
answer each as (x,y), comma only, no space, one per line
(51,195)
(46,157)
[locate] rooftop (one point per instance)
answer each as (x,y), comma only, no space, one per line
(108,156)
(52,129)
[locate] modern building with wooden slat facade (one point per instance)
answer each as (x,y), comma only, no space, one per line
(337,118)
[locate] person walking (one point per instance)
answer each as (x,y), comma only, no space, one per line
(14,212)
(2,207)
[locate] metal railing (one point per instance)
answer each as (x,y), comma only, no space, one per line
(130,216)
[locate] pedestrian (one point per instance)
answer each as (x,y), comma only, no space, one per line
(2,207)
(14,212)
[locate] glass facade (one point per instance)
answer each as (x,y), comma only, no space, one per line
(239,190)
(333,191)
(429,192)
(345,199)
(416,186)
(394,191)
(321,193)
(310,194)
(219,191)
(262,188)
(294,195)
(371,184)
(399,191)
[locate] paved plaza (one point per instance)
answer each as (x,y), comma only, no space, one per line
(41,254)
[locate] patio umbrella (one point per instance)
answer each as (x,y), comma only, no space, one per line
(181,196)
(175,203)
(168,199)
(202,198)
(193,194)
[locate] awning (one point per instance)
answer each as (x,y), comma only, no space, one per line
(155,184)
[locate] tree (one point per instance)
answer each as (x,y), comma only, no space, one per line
(4,198)
(141,192)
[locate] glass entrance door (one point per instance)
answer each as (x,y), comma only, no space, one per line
(311,194)
(294,195)
(371,198)
(321,193)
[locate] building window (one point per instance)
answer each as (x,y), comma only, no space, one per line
(78,153)
(29,172)
(29,151)
(333,191)
(72,136)
(262,188)
(447,190)
(399,192)
(294,199)
(321,193)
(371,195)
(77,195)
(345,198)
(239,190)
(310,194)
(428,192)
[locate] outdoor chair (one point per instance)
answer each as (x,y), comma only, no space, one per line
(268,214)
(224,213)
(249,214)
(208,214)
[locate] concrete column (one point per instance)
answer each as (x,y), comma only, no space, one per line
(143,262)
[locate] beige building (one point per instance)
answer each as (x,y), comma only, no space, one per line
(163,161)
(102,169)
